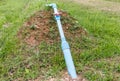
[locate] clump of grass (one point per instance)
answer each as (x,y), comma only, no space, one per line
(33,27)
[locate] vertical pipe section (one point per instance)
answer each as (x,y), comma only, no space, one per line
(60,28)
(65,46)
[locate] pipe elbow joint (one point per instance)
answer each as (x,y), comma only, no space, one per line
(53,5)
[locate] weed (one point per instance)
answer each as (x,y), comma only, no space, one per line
(33,27)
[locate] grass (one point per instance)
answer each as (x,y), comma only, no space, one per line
(95,55)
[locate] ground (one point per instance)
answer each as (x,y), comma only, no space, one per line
(30,45)
(101,5)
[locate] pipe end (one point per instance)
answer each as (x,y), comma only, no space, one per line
(52,5)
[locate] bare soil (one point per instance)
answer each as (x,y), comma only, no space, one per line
(64,77)
(101,5)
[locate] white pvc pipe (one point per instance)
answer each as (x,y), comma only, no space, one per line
(60,29)
(64,45)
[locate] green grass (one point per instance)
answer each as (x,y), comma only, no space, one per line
(91,53)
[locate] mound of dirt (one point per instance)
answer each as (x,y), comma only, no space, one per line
(43,27)
(66,77)
(63,77)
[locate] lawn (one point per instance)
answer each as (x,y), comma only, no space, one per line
(96,55)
